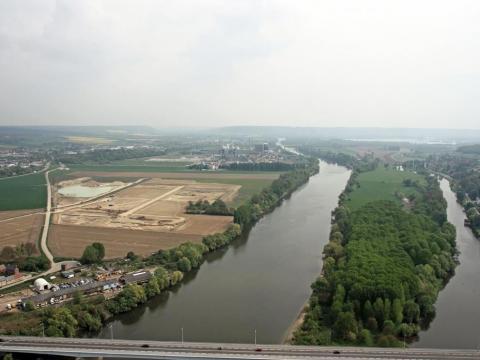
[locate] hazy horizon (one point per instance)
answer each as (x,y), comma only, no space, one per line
(216,63)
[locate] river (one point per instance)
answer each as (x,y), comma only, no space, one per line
(457,321)
(259,283)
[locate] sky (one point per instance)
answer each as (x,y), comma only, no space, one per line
(178,63)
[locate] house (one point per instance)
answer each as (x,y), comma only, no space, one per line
(12,270)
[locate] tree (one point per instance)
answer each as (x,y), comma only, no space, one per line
(368,310)
(152,288)
(59,322)
(184,264)
(365,338)
(397,311)
(345,326)
(100,249)
(411,312)
(176,277)
(29,306)
(379,309)
(7,254)
(93,254)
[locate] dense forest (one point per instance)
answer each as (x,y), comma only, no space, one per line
(382,271)
(107,155)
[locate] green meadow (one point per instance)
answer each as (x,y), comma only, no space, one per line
(23,192)
(381,184)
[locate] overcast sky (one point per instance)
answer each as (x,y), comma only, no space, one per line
(240,62)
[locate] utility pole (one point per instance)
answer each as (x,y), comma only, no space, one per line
(43,330)
(255,332)
(182,333)
(111,331)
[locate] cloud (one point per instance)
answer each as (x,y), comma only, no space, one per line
(212,62)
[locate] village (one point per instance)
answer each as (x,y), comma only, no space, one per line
(73,279)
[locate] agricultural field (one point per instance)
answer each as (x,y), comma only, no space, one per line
(20,226)
(70,241)
(382,184)
(23,192)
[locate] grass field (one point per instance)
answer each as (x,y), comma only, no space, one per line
(23,192)
(381,184)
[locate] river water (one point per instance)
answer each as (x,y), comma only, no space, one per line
(260,282)
(457,322)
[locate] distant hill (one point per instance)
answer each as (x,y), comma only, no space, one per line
(400,134)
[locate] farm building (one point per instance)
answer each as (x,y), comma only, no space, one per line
(62,294)
(136,278)
(41,284)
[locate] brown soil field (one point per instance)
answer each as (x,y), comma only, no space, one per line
(14,213)
(24,229)
(205,224)
(70,241)
(178,175)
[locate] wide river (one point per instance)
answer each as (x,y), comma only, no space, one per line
(260,282)
(457,323)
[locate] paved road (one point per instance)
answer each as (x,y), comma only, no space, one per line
(46,224)
(176,350)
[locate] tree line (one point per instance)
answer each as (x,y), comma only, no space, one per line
(25,256)
(218,207)
(383,268)
(260,166)
(103,156)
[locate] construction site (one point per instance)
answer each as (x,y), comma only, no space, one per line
(149,212)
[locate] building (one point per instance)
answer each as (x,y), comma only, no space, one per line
(41,284)
(138,277)
(12,270)
(51,297)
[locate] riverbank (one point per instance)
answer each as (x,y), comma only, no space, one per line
(393,296)
(171,264)
(256,283)
(455,325)
(296,325)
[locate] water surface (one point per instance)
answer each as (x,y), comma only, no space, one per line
(457,322)
(259,282)
(84,191)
